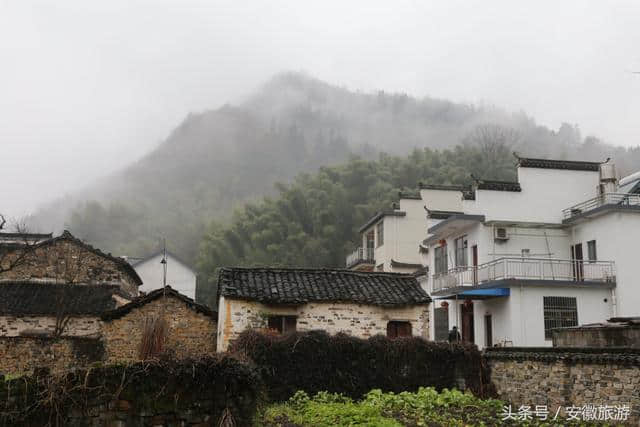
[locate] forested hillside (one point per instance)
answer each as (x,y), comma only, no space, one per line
(216,161)
(314,221)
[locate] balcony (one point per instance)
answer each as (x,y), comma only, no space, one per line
(361,256)
(494,273)
(611,200)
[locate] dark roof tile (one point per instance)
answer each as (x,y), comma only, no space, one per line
(300,286)
(47,299)
(558,164)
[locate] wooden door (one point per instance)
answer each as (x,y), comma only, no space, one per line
(467,323)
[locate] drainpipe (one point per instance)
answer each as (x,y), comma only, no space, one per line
(614,303)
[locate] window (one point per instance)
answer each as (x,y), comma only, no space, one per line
(460,245)
(283,324)
(440,255)
(380,233)
(591,250)
(559,312)
(441,323)
(397,329)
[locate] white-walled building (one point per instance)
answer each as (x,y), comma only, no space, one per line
(389,239)
(509,261)
(180,276)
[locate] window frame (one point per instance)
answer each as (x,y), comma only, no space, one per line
(399,329)
(380,234)
(284,320)
(441,264)
(460,247)
(592,251)
(559,312)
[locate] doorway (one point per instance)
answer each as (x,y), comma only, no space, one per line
(578,267)
(474,261)
(488,331)
(467,322)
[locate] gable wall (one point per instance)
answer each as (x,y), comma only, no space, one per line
(69,262)
(190,334)
(363,321)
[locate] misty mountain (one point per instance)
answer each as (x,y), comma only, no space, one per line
(217,160)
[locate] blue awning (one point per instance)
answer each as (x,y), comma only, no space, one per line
(479,294)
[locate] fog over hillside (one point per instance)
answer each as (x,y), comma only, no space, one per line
(216,160)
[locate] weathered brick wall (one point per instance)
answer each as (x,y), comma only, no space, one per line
(189,333)
(362,321)
(567,377)
(21,355)
(15,326)
(69,262)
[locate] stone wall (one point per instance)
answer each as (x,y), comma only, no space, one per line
(565,377)
(189,334)
(22,355)
(15,326)
(69,261)
(605,336)
(362,321)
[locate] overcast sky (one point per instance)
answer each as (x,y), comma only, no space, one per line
(88,86)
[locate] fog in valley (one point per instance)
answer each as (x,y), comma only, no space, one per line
(126,121)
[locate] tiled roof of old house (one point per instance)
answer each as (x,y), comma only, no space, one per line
(22,298)
(152,296)
(301,285)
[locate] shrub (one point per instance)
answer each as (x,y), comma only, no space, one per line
(204,386)
(316,361)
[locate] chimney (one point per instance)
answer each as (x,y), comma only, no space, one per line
(608,179)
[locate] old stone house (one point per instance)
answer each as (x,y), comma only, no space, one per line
(362,304)
(66,259)
(190,327)
(97,327)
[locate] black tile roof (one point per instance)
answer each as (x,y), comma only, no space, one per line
(424,186)
(435,214)
(47,299)
(558,164)
(498,185)
(300,286)
(152,296)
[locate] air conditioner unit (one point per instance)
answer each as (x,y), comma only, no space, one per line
(500,234)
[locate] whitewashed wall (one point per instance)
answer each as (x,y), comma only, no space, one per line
(179,276)
(363,321)
(617,235)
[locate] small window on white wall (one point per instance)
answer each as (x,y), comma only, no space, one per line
(591,250)
(559,312)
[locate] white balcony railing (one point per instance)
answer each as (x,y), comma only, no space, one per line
(361,255)
(526,269)
(614,199)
